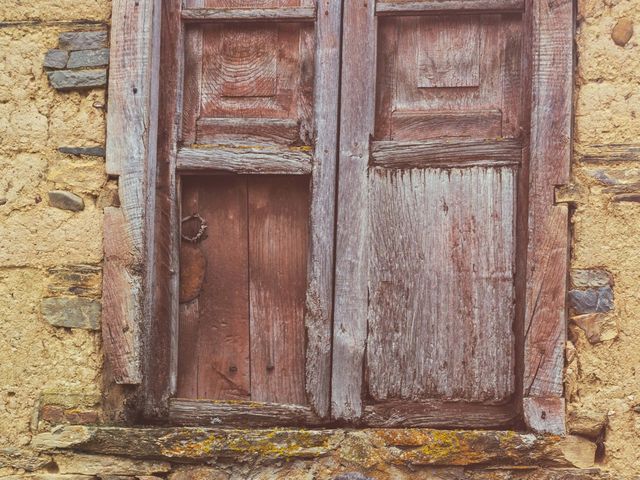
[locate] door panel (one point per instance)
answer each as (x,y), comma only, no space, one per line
(441,284)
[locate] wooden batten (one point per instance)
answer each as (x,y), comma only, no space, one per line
(452,153)
(548,225)
(247,15)
(229,414)
(403,7)
(246,160)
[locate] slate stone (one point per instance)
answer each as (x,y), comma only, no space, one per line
(89,58)
(627,197)
(83,151)
(590,278)
(72,312)
(65,200)
(78,79)
(83,40)
(352,476)
(56,59)
(3,201)
(622,32)
(593,300)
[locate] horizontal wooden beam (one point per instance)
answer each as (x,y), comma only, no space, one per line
(613,152)
(438,414)
(254,414)
(454,153)
(249,160)
(283,14)
(399,7)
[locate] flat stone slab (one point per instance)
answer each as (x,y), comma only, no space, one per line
(364,448)
(65,200)
(56,59)
(89,58)
(77,79)
(72,312)
(83,40)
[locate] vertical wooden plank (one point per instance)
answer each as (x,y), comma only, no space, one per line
(319,298)
(547,259)
(223,332)
(131,154)
(356,128)
(278,211)
(120,296)
(192,81)
(161,326)
(441,285)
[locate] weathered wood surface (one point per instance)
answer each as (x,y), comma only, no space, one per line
(248,131)
(545,415)
(131,155)
(609,153)
(403,447)
(446,153)
(120,297)
(425,125)
(247,15)
(218,345)
(278,213)
(411,7)
(256,414)
(161,322)
(246,160)
(438,414)
(548,229)
(319,297)
(441,295)
(357,124)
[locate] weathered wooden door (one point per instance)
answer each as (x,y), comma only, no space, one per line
(430,154)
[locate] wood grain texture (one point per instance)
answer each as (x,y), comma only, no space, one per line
(131,155)
(454,152)
(429,125)
(438,414)
(249,131)
(254,414)
(246,160)
(247,15)
(222,341)
(161,321)
(120,295)
(319,298)
(278,213)
(548,231)
(545,415)
(441,285)
(357,126)
(411,7)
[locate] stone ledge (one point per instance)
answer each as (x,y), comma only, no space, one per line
(366,448)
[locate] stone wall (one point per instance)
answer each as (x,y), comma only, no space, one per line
(53,189)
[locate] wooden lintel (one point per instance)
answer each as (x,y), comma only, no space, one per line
(283,14)
(273,161)
(391,7)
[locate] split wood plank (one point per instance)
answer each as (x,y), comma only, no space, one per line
(428,125)
(246,160)
(548,229)
(120,297)
(356,128)
(278,215)
(248,15)
(410,7)
(248,131)
(161,336)
(240,414)
(446,153)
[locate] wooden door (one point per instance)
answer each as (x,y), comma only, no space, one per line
(430,156)
(254,155)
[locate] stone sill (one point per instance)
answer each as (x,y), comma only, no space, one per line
(366,447)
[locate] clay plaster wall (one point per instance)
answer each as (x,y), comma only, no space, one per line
(39,361)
